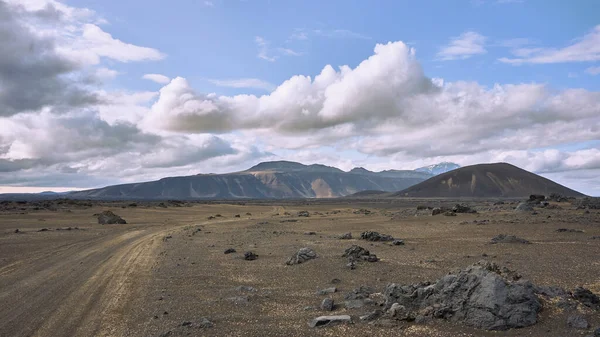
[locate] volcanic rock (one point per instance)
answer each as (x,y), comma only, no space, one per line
(375,236)
(476,296)
(303,255)
(250,256)
(524,207)
(329,320)
(110,218)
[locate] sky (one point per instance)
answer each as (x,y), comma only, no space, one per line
(101,92)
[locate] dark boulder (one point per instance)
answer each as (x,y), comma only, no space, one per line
(458,208)
(250,256)
(587,298)
(327,304)
(303,255)
(375,236)
(110,218)
(477,296)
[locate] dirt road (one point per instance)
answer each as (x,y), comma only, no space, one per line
(85,289)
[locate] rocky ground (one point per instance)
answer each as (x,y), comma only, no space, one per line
(273,268)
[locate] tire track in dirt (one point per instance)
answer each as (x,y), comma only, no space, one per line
(58,295)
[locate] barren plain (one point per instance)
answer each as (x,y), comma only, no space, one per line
(165,273)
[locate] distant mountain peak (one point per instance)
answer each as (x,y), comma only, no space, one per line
(276,165)
(291,166)
(438,168)
(360,170)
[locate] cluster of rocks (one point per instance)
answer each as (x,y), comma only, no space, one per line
(477,296)
(458,208)
(303,255)
(304,214)
(358,253)
(588,203)
(109,218)
(483,295)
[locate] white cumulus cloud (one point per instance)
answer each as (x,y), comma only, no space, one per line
(158,78)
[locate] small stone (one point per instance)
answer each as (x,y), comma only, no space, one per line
(245,289)
(250,256)
(577,322)
(239,299)
(371,316)
(437,211)
(503,238)
(329,320)
(186,323)
(398,311)
(336,281)
(17,230)
(205,323)
(354,304)
(327,291)
(420,319)
(229,251)
(310,233)
(398,242)
(327,304)
(370,258)
(345,236)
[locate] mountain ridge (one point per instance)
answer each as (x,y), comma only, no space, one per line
(267,180)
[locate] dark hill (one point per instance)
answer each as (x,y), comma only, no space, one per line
(486,180)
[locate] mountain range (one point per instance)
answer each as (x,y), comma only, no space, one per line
(291,180)
(268,180)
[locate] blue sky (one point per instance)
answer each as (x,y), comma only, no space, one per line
(205,42)
(138,90)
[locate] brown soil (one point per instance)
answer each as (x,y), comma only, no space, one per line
(119,280)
